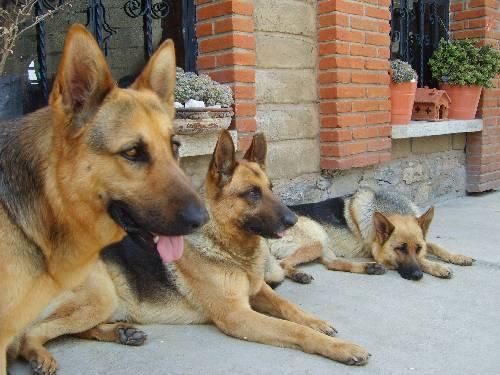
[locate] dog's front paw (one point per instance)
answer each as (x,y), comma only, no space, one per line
(351,354)
(443,273)
(322,326)
(131,336)
(44,365)
(461,260)
(302,278)
(375,269)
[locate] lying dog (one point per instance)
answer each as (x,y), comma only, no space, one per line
(384,226)
(219,280)
(77,175)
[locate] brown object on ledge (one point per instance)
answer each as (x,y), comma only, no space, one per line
(430,105)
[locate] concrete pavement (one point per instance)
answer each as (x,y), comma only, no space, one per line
(429,327)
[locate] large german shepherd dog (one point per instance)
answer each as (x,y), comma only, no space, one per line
(77,175)
(219,279)
(384,226)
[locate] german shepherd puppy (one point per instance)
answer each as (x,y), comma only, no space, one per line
(219,280)
(385,226)
(77,175)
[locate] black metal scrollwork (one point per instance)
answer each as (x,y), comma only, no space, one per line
(138,8)
(41,7)
(149,11)
(98,24)
(417,26)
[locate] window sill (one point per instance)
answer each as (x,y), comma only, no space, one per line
(416,129)
(201,144)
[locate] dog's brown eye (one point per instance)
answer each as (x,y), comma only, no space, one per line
(253,195)
(136,153)
(403,248)
(419,247)
(132,153)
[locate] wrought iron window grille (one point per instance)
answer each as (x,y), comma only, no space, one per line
(417,26)
(98,24)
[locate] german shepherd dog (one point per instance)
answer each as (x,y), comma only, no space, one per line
(76,176)
(385,226)
(219,279)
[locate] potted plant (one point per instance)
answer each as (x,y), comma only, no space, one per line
(462,68)
(202,105)
(403,87)
(16,18)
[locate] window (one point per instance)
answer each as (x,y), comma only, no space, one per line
(416,28)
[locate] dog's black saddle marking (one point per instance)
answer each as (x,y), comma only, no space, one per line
(329,211)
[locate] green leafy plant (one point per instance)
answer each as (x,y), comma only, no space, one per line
(462,62)
(201,87)
(402,72)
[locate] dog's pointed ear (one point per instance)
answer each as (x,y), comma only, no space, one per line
(223,159)
(383,227)
(159,75)
(257,151)
(83,77)
(425,220)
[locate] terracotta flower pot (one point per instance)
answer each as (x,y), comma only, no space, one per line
(402,99)
(464,100)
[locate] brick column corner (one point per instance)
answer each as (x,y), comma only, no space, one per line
(479,19)
(226,52)
(353,38)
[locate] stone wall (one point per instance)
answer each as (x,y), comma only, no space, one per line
(286,89)
(426,169)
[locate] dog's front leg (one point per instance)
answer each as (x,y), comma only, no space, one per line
(4,343)
(435,269)
(269,302)
(445,255)
(242,322)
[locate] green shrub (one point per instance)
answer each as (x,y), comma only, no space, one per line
(462,62)
(402,72)
(201,87)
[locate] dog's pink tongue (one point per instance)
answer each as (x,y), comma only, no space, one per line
(170,248)
(281,234)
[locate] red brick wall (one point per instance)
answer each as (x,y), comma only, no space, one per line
(226,52)
(353,39)
(479,19)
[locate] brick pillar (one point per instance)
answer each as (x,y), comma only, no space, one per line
(353,39)
(478,19)
(226,52)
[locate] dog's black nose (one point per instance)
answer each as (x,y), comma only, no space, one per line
(416,275)
(193,216)
(289,219)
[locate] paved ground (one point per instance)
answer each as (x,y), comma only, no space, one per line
(432,326)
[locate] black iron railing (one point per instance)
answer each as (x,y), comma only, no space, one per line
(416,28)
(97,23)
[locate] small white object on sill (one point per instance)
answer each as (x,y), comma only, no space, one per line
(191,103)
(178,105)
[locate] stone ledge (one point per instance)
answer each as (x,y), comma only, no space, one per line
(416,129)
(201,144)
